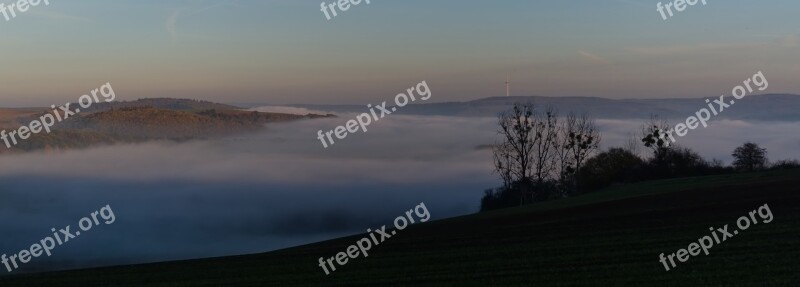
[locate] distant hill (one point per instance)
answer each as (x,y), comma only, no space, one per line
(164,103)
(771,107)
(143,120)
(157,123)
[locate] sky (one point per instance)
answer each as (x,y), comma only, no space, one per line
(286,51)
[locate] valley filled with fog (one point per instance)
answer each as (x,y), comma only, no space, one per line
(280,188)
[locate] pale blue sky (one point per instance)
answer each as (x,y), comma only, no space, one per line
(285,51)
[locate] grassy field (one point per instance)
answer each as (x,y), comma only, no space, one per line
(609,238)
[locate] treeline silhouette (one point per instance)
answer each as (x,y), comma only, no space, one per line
(541,156)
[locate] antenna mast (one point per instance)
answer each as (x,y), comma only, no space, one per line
(508,83)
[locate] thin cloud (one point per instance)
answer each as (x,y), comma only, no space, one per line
(631,2)
(171,23)
(690,49)
(54,15)
(790,41)
(593,57)
(779,41)
(682,49)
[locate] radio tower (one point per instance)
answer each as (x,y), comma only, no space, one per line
(508,85)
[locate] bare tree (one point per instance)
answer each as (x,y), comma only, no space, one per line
(545,132)
(654,136)
(632,145)
(561,147)
(583,139)
(536,148)
(504,164)
(539,153)
(516,128)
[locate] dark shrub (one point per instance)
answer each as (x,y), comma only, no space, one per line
(785,164)
(616,165)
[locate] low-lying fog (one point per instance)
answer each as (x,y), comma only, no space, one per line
(278,188)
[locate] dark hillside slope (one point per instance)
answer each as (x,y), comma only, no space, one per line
(610,238)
